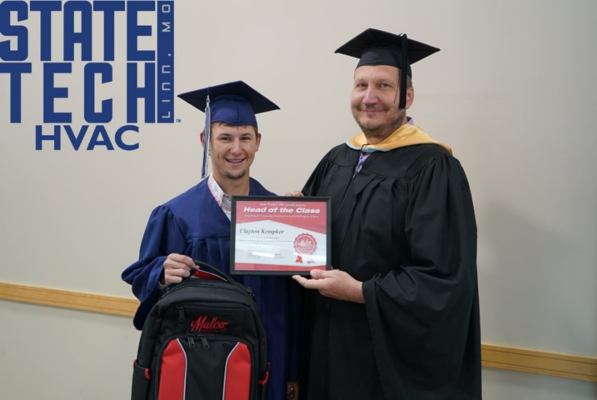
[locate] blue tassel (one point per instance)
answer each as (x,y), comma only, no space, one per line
(205,166)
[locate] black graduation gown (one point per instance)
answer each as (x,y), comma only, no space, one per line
(405,226)
(193,224)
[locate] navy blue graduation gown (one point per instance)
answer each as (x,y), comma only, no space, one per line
(193,224)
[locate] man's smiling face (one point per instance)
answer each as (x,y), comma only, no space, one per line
(232,150)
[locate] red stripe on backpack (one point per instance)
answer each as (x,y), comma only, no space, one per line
(174,370)
(237,383)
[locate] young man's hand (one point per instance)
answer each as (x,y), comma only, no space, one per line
(177,267)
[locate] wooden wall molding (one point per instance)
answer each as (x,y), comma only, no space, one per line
(540,362)
(508,358)
(69,299)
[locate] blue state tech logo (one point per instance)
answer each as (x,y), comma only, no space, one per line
(148,70)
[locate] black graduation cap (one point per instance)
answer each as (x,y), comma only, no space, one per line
(375,47)
(234,103)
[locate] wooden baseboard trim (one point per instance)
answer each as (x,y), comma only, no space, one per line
(508,358)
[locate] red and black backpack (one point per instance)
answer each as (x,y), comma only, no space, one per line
(203,339)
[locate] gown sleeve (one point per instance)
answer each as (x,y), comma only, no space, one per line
(424,313)
(162,237)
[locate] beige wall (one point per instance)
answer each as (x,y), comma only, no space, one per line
(512,91)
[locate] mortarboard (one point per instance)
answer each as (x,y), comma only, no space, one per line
(233,103)
(375,47)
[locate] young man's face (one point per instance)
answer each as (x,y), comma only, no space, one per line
(232,150)
(375,98)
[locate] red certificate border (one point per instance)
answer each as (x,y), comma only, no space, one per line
(242,268)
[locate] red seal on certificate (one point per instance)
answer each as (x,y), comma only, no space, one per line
(305,244)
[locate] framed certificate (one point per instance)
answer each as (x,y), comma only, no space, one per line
(280,235)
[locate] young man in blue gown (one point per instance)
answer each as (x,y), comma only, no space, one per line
(196,225)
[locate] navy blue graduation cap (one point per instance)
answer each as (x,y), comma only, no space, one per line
(375,47)
(233,103)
